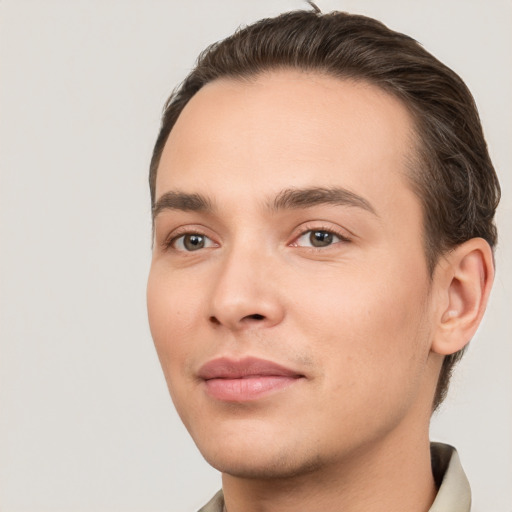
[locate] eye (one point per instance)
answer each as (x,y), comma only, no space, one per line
(319,238)
(192,242)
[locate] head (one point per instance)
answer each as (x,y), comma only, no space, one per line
(336,89)
(450,170)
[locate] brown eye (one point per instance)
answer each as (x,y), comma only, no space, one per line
(192,242)
(321,238)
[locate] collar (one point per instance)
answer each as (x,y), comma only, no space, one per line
(454,494)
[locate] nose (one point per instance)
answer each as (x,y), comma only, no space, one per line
(246,294)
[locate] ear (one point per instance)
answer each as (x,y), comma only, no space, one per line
(463,279)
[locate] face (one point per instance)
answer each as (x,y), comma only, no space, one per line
(288,297)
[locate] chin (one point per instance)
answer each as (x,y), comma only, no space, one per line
(253,461)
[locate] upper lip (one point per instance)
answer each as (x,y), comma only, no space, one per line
(226,368)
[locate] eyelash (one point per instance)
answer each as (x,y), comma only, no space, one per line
(325,229)
(171,239)
(175,235)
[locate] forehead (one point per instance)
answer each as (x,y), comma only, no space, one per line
(288,128)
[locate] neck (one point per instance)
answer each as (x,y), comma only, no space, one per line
(392,474)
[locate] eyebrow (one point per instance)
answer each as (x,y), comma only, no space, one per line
(293,198)
(288,199)
(182,201)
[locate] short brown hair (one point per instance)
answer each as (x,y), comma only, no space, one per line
(453,177)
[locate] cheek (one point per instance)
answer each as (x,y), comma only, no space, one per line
(174,314)
(370,326)
(173,318)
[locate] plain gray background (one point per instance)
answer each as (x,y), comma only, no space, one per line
(85,420)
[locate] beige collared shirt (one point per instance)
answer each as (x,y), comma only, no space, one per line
(454,493)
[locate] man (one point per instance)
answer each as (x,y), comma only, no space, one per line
(323,205)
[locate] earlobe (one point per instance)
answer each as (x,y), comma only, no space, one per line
(466,277)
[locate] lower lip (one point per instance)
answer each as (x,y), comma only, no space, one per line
(247,388)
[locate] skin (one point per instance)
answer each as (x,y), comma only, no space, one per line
(359,319)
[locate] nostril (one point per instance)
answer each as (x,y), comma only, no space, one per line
(248,318)
(256,316)
(214,320)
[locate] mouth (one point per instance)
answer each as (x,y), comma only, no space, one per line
(245,380)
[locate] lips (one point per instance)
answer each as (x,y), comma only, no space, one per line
(245,380)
